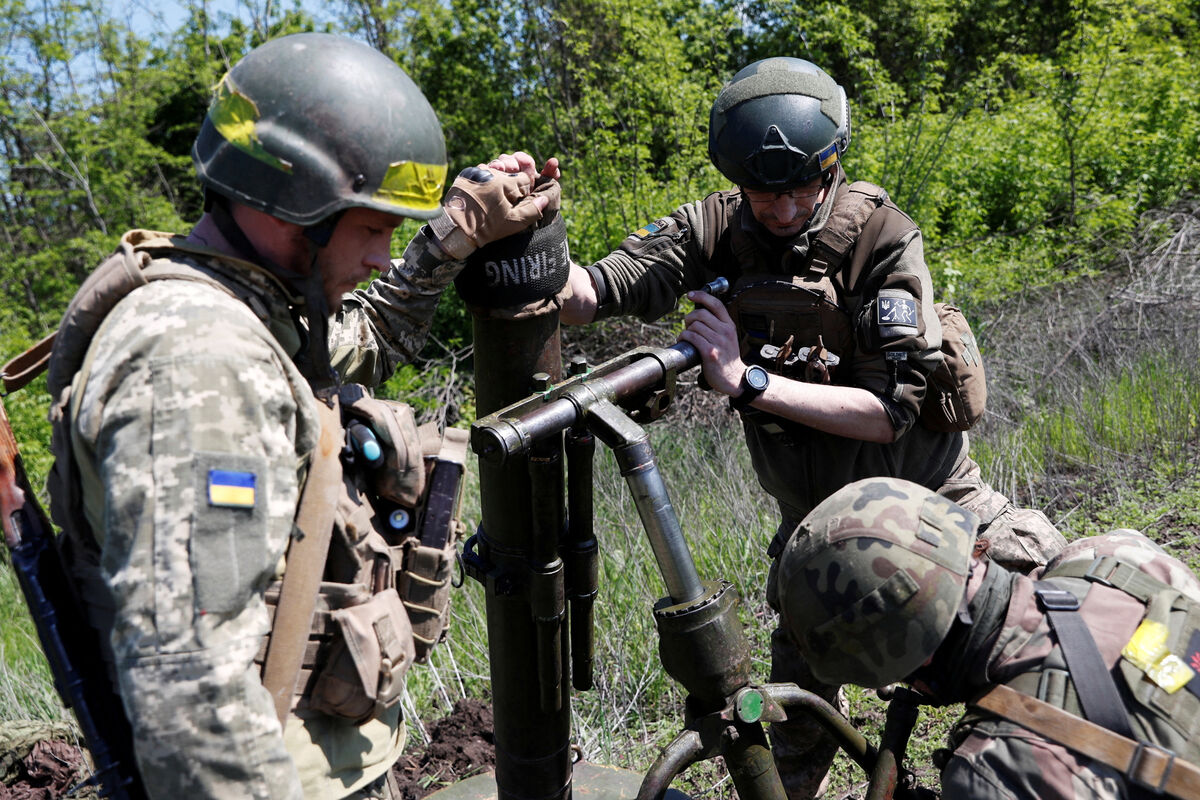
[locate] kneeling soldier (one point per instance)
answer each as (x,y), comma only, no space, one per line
(1079,682)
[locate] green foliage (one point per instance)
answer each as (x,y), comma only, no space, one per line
(26,687)
(1026,141)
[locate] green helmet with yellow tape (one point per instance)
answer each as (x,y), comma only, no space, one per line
(311,124)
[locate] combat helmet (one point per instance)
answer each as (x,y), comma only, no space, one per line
(873,578)
(308,125)
(778,123)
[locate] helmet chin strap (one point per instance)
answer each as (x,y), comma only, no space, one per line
(318,368)
(316,365)
(830,182)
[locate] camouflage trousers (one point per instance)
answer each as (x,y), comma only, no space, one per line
(1021,539)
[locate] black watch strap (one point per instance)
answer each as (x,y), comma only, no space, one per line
(748,392)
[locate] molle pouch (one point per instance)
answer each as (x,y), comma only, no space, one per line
(399,477)
(427,556)
(368,659)
(777,317)
(424,583)
(956,395)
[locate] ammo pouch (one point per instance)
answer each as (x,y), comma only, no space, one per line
(424,583)
(428,554)
(956,394)
(791,325)
(359,648)
(416,492)
(369,659)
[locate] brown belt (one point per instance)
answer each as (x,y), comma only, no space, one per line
(1147,765)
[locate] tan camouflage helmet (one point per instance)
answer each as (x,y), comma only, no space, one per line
(873,578)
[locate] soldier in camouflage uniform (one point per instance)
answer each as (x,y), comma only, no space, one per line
(888,583)
(778,130)
(188,411)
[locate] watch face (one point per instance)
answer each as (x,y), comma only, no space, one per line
(756,378)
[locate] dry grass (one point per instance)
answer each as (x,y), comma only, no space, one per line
(1093,416)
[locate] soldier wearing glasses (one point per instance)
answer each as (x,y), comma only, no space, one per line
(824,344)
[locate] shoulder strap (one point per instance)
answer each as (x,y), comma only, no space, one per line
(1098,695)
(845,224)
(23,368)
(1111,571)
(1144,765)
(306,557)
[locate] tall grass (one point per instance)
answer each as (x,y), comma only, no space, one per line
(26,687)
(1093,416)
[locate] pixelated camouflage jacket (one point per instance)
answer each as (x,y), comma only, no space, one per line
(996,758)
(800,466)
(183,380)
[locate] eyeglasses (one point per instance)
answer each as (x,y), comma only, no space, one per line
(805,192)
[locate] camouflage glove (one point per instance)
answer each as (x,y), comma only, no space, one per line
(483,206)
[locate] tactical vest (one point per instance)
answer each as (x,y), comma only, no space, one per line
(802,325)
(1163,709)
(384,582)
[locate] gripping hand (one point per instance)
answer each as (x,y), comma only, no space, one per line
(484,205)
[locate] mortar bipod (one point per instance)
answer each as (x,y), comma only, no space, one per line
(700,639)
(701,643)
(712,734)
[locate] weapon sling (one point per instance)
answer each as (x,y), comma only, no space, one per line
(305,563)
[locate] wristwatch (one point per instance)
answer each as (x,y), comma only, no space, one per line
(754,383)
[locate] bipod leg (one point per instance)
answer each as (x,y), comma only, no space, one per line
(889,778)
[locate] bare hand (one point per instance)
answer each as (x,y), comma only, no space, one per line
(711,331)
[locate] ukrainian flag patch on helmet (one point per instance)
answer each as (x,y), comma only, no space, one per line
(231,488)
(828,157)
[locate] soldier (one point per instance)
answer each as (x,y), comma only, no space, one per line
(198,381)
(1079,681)
(822,267)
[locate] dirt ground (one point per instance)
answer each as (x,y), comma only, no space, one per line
(461,745)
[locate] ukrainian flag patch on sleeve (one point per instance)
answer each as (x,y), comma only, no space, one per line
(649,229)
(229,488)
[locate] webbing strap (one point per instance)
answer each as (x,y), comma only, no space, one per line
(23,368)
(1145,765)
(842,229)
(306,557)
(1111,571)
(1094,685)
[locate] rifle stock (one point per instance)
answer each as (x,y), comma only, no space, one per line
(67,640)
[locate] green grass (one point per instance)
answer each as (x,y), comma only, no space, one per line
(1097,427)
(26,687)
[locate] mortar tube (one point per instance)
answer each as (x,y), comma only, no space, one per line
(533,755)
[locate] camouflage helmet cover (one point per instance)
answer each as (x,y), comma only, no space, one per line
(310,124)
(873,578)
(778,123)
